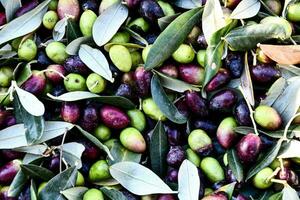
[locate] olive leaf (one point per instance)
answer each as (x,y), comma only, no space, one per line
(164,104)
(120,154)
(136,36)
(73,47)
(246,9)
(289,193)
(282,54)
(159,149)
(74,193)
(186,4)
(138,179)
(33,191)
(17,185)
(96,61)
(113,194)
(175,84)
(37,172)
(83,95)
(11,7)
(72,153)
(7,52)
(13,137)
(246,83)
(276,196)
(73,30)
(59,183)
(130,46)
(24,24)
(229,188)
(54,129)
(172,37)
(59,29)
(163,22)
(23,72)
(274,92)
(286,3)
(188,181)
(37,149)
(289,71)
(292,151)
(272,134)
(235,165)
(109,22)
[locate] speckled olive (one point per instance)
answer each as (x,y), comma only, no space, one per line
(137,119)
(121,58)
(212,169)
(50,19)
(74,64)
(133,140)
(150,109)
(86,22)
(142,80)
(27,50)
(114,117)
(269,121)
(68,8)
(170,70)
(200,142)
(191,73)
(175,156)
(235,63)
(99,171)
(75,82)
(184,54)
(56,51)
(260,180)
(70,112)
(248,148)
(93,194)
(225,133)
(264,73)
(95,83)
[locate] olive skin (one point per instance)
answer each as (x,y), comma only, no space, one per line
(172,174)
(248,148)
(235,63)
(2,18)
(200,142)
(36,83)
(125,90)
(184,54)
(260,179)
(261,56)
(29,5)
(223,101)
(207,125)
(103,133)
(140,25)
(151,110)
(241,197)
(196,103)
(150,10)
(9,155)
(4,194)
(193,157)
(56,51)
(242,114)
(293,11)
(99,171)
(89,5)
(27,50)
(142,80)
(132,3)
(225,133)
(75,82)
(86,22)
(54,73)
(114,117)
(6,75)
(133,140)
(121,57)
(212,169)
(91,152)
(42,59)
(9,171)
(264,73)
(174,135)
(93,194)
(68,8)
(165,197)
(191,73)
(89,118)
(70,112)
(175,156)
(95,83)
(137,119)
(74,64)
(120,37)
(271,121)
(231,3)
(50,19)
(219,80)
(289,175)
(170,70)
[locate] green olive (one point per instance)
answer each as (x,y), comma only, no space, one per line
(4,97)
(133,140)
(270,121)
(199,141)
(293,12)
(41,187)
(95,83)
(136,58)
(121,58)
(27,50)
(201,54)
(212,169)
(145,52)
(184,54)
(74,82)
(16,43)
(276,163)
(151,109)
(193,157)
(93,194)
(6,75)
(102,132)
(140,24)
(99,171)
(56,51)
(167,8)
(79,179)
(120,37)
(53,5)
(86,22)
(50,19)
(260,180)
(262,57)
(137,119)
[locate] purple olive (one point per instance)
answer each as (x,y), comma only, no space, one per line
(191,73)
(89,119)
(230,178)
(2,18)
(165,197)
(90,5)
(70,112)
(150,10)
(113,117)
(74,64)
(53,164)
(91,152)
(182,107)
(175,156)
(4,194)
(142,80)
(124,90)
(58,90)
(28,6)
(9,171)
(8,154)
(172,175)
(248,148)
(206,125)
(10,120)
(235,63)
(43,59)
(54,73)
(242,114)
(219,80)
(264,73)
(289,175)
(132,3)
(202,41)
(174,136)
(170,70)
(225,133)
(241,197)
(216,196)
(196,103)
(223,101)
(36,83)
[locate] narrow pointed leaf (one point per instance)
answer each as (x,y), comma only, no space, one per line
(13,137)
(121,154)
(246,82)
(59,29)
(246,9)
(75,193)
(54,129)
(74,46)
(37,172)
(19,182)
(274,92)
(289,193)
(235,165)
(72,153)
(73,30)
(11,7)
(113,194)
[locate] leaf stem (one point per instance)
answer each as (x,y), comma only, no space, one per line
(284,137)
(273,174)
(61,151)
(55,71)
(283,182)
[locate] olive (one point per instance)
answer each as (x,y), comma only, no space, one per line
(145,52)
(137,119)
(29,5)
(103,133)
(4,97)
(222,101)
(262,57)
(136,58)
(74,64)
(260,180)
(142,80)
(56,51)
(36,83)
(248,148)
(93,194)
(9,171)
(196,103)
(293,12)
(289,175)
(271,121)
(4,193)
(8,154)
(27,50)
(58,90)
(79,179)
(42,59)
(91,152)
(86,22)
(114,117)
(274,5)
(219,80)
(121,58)
(191,73)
(170,70)
(99,171)
(89,118)
(133,140)
(95,83)
(212,169)
(174,135)
(276,163)
(75,82)
(50,19)
(235,63)
(165,197)
(70,112)
(106,4)
(139,25)
(2,18)
(182,107)
(201,41)
(172,175)
(151,37)
(125,90)
(264,73)
(90,5)
(205,124)
(120,37)
(184,54)
(132,3)
(241,197)
(201,54)
(150,10)
(193,35)
(242,114)
(193,157)
(55,73)
(6,75)
(231,3)
(166,7)
(225,133)
(175,156)
(53,5)
(68,8)
(200,142)
(53,163)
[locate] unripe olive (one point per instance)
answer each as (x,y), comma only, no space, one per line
(193,157)
(276,163)
(95,83)
(139,24)
(99,171)
(102,132)
(75,82)
(201,54)
(212,169)
(105,4)
(133,140)
(260,180)
(50,19)
(68,8)
(184,54)
(121,57)
(208,191)
(111,142)
(136,58)
(267,117)
(145,52)
(86,22)
(53,5)
(262,57)
(93,194)
(225,133)
(293,12)
(56,51)
(6,75)
(151,109)
(79,179)
(200,142)
(166,7)
(137,119)
(27,50)
(120,37)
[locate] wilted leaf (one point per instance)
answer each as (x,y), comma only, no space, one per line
(75,193)
(59,29)
(246,9)
(235,165)
(246,83)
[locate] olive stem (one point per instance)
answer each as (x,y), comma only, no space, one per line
(293,41)
(286,129)
(283,182)
(273,174)
(61,151)
(281,163)
(254,62)
(140,104)
(250,110)
(52,70)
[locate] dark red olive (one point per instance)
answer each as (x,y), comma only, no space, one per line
(9,171)
(196,104)
(74,64)
(55,73)
(3,116)
(114,117)
(175,156)
(230,178)
(54,163)
(170,70)
(242,114)
(223,101)
(142,80)
(241,197)
(289,175)
(174,135)
(172,175)
(28,6)
(191,73)
(182,107)
(235,63)
(150,10)
(166,197)
(128,78)
(216,196)
(89,119)
(132,3)
(91,152)
(4,194)
(264,73)
(10,120)
(8,154)
(248,148)
(36,83)
(219,80)
(202,41)
(90,5)
(207,125)
(2,18)
(70,112)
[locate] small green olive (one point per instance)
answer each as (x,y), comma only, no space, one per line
(276,163)
(50,19)
(6,75)
(95,83)
(201,54)
(145,52)
(79,179)
(184,54)
(121,58)
(133,140)
(53,5)
(150,108)
(137,119)
(27,50)
(167,8)
(193,157)
(293,12)
(140,24)
(136,58)
(260,180)
(225,159)
(208,191)
(41,187)
(86,22)
(4,97)
(102,132)
(267,117)
(74,82)
(99,171)
(56,51)
(120,37)
(199,141)
(93,194)
(212,169)
(262,57)
(16,43)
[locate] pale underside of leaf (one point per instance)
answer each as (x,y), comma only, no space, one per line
(293,150)
(246,9)
(59,29)
(75,193)
(246,83)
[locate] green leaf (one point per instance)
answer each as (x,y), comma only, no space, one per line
(82,95)
(113,194)
(186,4)
(229,188)
(33,191)
(235,165)
(24,24)
(175,84)
(246,9)
(72,153)
(163,22)
(59,29)
(138,179)
(96,61)
(73,47)
(38,149)
(289,193)
(108,23)
(273,134)
(159,149)
(246,82)
(37,172)
(75,193)
(54,129)
(172,37)
(59,183)
(164,104)
(136,36)
(11,7)
(17,185)
(120,154)
(130,46)
(265,160)
(23,72)
(274,92)
(73,30)
(188,181)
(292,151)
(276,196)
